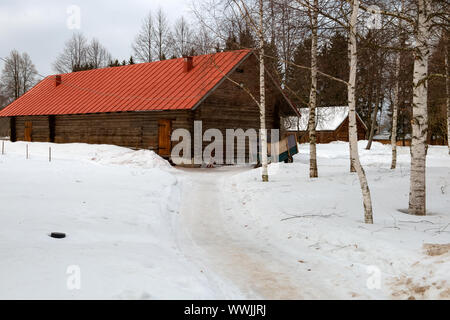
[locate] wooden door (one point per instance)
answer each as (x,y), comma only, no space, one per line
(51,128)
(164,135)
(28,130)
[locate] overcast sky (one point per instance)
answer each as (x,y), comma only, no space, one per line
(40,27)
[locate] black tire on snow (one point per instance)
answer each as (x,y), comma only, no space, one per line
(57,235)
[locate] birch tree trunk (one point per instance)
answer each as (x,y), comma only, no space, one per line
(395,112)
(447,89)
(262,104)
(353,133)
(352,160)
(419,123)
(374,117)
(396,99)
(313,95)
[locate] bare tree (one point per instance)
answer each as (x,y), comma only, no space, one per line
(182,38)
(162,35)
(3,99)
(203,43)
(421,17)
(378,98)
(74,54)
(80,54)
(18,75)
(350,23)
(291,27)
(11,78)
(97,55)
(27,73)
(144,43)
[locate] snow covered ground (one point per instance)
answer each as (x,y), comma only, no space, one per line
(318,223)
(116,206)
(140,229)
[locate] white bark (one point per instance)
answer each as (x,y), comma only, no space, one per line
(313,96)
(353,133)
(352,160)
(447,89)
(395,112)
(419,123)
(262,104)
(396,99)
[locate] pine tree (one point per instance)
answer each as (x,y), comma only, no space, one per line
(332,60)
(299,79)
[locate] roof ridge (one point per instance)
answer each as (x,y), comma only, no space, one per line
(145,63)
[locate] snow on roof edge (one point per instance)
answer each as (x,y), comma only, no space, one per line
(327,118)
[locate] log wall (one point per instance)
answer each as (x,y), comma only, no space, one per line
(340,134)
(127,129)
(230,107)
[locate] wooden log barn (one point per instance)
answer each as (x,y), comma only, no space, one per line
(138,106)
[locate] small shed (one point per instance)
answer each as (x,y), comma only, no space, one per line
(331,124)
(385,138)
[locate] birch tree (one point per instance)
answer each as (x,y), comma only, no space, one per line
(262,105)
(182,37)
(419,123)
(396,98)
(426,15)
(447,90)
(353,133)
(144,42)
(313,94)
(289,30)
(395,111)
(162,35)
(351,25)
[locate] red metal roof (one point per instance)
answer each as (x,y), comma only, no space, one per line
(161,85)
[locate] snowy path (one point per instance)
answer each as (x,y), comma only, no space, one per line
(224,248)
(236,230)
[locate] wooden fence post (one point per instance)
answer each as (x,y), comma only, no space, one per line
(27,151)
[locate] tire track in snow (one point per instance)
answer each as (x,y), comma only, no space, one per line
(224,251)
